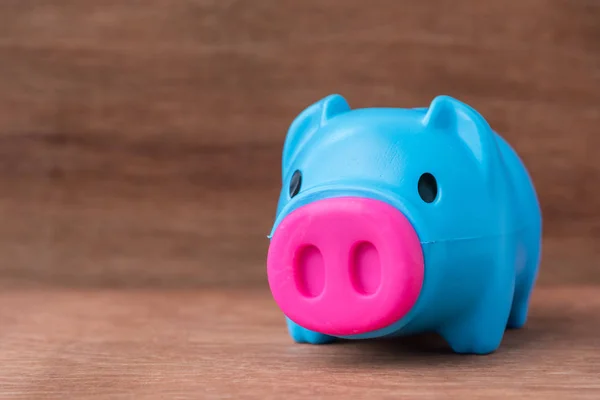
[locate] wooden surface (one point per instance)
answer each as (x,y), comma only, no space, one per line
(216,344)
(140,149)
(140,141)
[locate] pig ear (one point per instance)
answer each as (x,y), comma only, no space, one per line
(453,116)
(308,122)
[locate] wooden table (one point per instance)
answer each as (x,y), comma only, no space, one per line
(140,147)
(204,344)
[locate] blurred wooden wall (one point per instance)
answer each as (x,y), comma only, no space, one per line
(140,140)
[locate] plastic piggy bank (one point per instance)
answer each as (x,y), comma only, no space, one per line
(400,221)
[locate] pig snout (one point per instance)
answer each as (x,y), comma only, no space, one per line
(345,266)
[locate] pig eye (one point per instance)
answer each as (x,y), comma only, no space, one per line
(427,187)
(295,183)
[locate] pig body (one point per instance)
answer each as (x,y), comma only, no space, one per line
(400,221)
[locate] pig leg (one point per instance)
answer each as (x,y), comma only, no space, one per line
(303,335)
(520,306)
(518,314)
(480,330)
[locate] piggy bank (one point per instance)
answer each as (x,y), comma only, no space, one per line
(398,221)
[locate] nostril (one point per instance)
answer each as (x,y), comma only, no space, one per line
(309,270)
(365,268)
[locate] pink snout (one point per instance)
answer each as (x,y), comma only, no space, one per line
(345,266)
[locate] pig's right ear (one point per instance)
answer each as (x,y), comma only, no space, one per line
(308,122)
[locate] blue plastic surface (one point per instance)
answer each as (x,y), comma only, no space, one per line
(481,236)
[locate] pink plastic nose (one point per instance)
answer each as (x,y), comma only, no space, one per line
(345,266)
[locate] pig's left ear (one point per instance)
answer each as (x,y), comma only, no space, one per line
(308,122)
(449,115)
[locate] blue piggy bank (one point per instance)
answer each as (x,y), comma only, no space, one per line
(400,221)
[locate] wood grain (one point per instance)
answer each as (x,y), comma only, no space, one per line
(140,141)
(217,344)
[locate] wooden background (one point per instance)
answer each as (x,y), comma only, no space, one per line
(140,145)
(140,140)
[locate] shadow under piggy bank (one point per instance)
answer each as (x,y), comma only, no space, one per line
(540,336)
